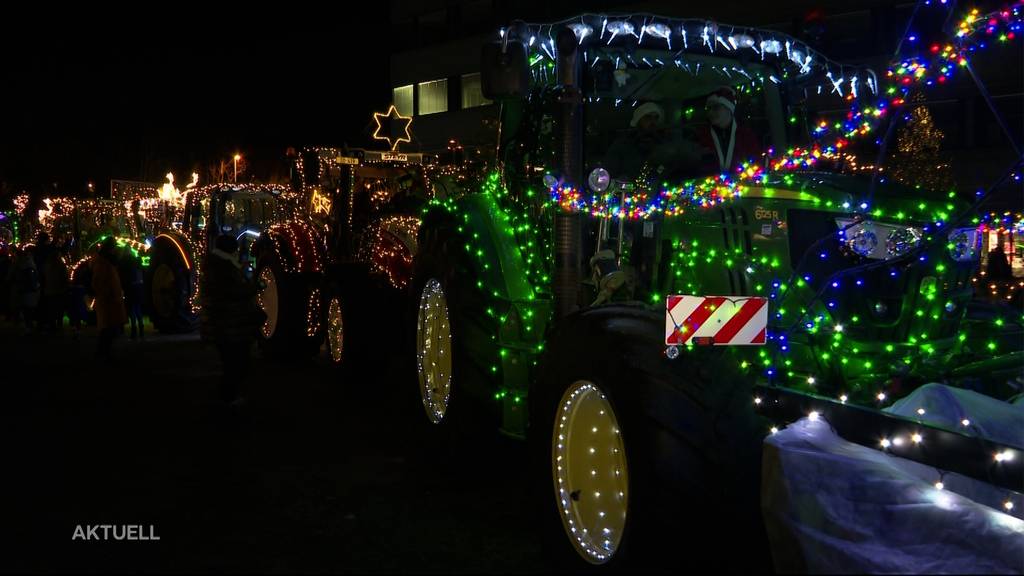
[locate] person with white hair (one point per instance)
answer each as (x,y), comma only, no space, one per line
(649,143)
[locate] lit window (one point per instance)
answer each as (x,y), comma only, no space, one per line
(402,97)
(433,96)
(472,96)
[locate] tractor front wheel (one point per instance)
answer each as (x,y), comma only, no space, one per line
(170,287)
(292,303)
(452,345)
(640,461)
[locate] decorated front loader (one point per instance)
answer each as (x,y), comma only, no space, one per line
(359,218)
(644,331)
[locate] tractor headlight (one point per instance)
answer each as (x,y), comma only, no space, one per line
(876,240)
(964,244)
(863,242)
(902,240)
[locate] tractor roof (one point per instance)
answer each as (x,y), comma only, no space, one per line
(728,54)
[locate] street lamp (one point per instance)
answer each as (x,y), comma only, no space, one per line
(237,158)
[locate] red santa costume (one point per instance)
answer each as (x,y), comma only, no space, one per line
(732,145)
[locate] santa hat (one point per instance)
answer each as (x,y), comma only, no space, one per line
(645,109)
(725,96)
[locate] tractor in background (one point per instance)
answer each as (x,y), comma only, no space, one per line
(359,220)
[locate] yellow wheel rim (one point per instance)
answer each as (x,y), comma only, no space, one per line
(589,468)
(163,291)
(434,351)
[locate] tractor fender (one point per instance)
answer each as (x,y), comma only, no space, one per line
(180,244)
(488,240)
(297,245)
(703,380)
(389,247)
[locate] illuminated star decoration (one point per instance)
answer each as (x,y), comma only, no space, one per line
(392,114)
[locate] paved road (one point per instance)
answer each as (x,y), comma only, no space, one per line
(320,472)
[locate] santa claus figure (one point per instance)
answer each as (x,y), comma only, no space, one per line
(726,143)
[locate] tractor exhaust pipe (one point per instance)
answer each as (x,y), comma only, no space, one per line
(567,263)
(567,225)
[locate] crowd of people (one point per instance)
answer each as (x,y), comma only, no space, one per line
(39,292)
(42,294)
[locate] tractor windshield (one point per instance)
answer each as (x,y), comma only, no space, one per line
(680,119)
(246,211)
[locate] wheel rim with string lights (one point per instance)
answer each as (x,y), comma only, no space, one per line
(163,290)
(591,481)
(268,300)
(335,330)
(434,351)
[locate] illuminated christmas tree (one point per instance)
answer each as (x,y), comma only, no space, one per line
(918,160)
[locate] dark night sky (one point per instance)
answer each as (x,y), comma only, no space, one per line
(96,101)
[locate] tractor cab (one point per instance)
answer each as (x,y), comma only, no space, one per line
(240,211)
(620,120)
(366,201)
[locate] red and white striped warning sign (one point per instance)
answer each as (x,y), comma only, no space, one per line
(717,320)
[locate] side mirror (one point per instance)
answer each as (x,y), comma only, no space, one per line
(599,180)
(504,74)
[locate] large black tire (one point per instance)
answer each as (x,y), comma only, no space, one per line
(168,285)
(473,414)
(288,332)
(691,439)
(368,314)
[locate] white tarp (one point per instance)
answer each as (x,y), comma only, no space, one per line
(831,506)
(948,407)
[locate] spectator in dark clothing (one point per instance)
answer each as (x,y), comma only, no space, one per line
(55,290)
(106,285)
(6,263)
(230,316)
(42,252)
(998,267)
(78,311)
(24,280)
(131,271)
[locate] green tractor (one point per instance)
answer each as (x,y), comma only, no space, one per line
(644,330)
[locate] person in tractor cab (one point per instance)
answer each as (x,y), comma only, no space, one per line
(725,143)
(651,148)
(230,315)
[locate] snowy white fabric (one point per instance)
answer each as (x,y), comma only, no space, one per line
(948,407)
(832,506)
